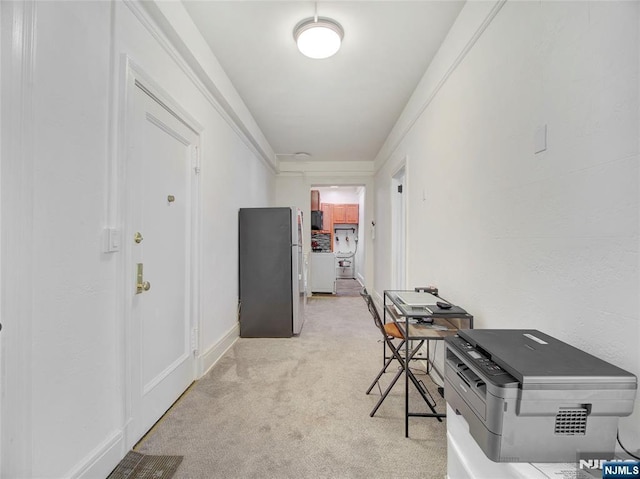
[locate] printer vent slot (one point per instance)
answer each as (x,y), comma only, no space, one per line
(571,421)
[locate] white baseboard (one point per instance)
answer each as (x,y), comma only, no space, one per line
(102,460)
(211,356)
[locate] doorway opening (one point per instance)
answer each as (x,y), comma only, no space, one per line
(336,257)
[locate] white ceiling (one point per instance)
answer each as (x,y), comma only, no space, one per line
(338,109)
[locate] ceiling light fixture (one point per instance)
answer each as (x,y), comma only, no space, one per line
(318,37)
(302,155)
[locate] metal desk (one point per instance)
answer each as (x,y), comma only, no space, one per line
(444,323)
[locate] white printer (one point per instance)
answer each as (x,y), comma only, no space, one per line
(528,397)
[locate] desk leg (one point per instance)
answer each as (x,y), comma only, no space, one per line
(428,356)
(384,321)
(406,385)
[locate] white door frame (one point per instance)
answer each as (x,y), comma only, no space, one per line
(399,228)
(134,76)
(17,59)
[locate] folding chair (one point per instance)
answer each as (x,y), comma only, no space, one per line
(391,332)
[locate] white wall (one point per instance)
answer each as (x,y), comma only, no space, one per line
(342,194)
(63,376)
(524,240)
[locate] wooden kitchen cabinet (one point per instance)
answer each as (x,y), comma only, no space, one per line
(327,220)
(327,216)
(346,213)
(339,213)
(315,200)
(352,214)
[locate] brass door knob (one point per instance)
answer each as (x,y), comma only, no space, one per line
(138,237)
(141,285)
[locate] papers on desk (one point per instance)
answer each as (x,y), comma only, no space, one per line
(412,303)
(423,325)
(437,327)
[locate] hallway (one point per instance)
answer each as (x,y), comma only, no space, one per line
(296,408)
(518,139)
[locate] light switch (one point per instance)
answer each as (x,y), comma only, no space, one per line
(112,238)
(540,139)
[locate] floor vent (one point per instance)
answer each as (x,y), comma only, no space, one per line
(140,466)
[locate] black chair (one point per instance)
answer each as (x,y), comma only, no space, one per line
(391,332)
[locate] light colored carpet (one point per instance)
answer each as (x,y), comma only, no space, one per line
(348,287)
(297,408)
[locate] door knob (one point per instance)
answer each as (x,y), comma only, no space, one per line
(138,237)
(141,284)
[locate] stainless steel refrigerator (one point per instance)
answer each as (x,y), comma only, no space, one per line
(272,279)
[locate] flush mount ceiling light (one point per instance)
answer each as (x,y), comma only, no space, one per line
(318,37)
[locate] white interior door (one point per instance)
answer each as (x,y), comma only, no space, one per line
(162,359)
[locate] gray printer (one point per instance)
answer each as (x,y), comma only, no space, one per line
(528,397)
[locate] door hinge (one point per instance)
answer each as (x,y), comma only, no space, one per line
(195,160)
(194,341)
(399,188)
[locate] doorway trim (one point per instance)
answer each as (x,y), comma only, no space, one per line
(133,76)
(360,270)
(399,226)
(18,59)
